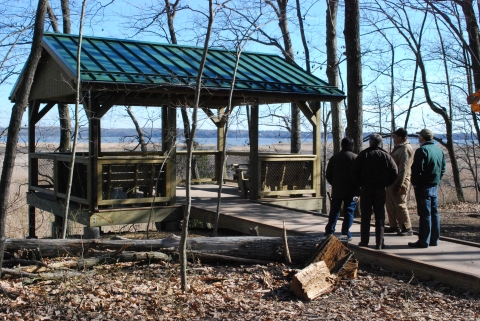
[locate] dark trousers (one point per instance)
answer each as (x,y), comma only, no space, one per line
(429,218)
(372,199)
(349,206)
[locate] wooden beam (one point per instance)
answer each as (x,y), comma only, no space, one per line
(317,151)
(39,114)
(169,133)
(303,203)
(220,146)
(102,110)
(32,162)
(94,175)
(216,120)
(136,215)
(255,175)
(310,113)
(57,208)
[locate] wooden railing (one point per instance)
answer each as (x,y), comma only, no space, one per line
(126,179)
(139,178)
(279,174)
(49,174)
(136,178)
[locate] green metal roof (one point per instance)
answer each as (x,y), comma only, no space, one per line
(108,60)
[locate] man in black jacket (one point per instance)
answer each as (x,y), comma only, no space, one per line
(373,170)
(343,189)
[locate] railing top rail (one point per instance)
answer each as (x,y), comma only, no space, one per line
(64,156)
(273,155)
(199,152)
(122,154)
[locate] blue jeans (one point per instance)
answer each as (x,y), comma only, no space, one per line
(427,209)
(349,206)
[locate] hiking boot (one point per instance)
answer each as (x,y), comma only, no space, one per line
(417,245)
(405,232)
(391,230)
(345,238)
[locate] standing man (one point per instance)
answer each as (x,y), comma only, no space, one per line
(427,170)
(343,189)
(373,170)
(397,209)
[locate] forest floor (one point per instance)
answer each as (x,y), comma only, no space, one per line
(133,291)
(458,221)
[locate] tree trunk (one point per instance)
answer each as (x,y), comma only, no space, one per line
(16,117)
(65,128)
(141,135)
(301,248)
(332,72)
(296,132)
(182,248)
(63,111)
(473,38)
(354,74)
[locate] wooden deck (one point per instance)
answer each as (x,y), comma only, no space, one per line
(452,262)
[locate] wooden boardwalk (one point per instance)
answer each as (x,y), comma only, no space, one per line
(453,262)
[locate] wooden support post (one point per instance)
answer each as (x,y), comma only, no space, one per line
(169,136)
(317,151)
(255,175)
(94,152)
(220,145)
(32,163)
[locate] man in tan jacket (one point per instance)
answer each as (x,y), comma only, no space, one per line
(396,203)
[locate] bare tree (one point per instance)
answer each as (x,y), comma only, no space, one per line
(63,110)
(141,134)
(16,117)
(414,42)
(78,97)
(280,10)
(188,202)
(354,110)
(332,72)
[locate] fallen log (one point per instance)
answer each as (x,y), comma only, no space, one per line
(43,276)
(86,263)
(249,247)
(207,257)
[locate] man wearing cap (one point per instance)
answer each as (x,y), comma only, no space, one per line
(427,170)
(397,209)
(373,170)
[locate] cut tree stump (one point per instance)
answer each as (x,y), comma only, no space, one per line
(313,281)
(338,258)
(331,262)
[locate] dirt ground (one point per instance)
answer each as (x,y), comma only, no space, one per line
(459,221)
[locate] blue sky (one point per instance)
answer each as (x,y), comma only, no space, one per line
(115,21)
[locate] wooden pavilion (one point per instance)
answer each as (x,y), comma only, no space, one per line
(136,187)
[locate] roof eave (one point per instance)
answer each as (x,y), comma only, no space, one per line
(271,96)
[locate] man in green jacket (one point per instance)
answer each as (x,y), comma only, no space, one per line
(427,170)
